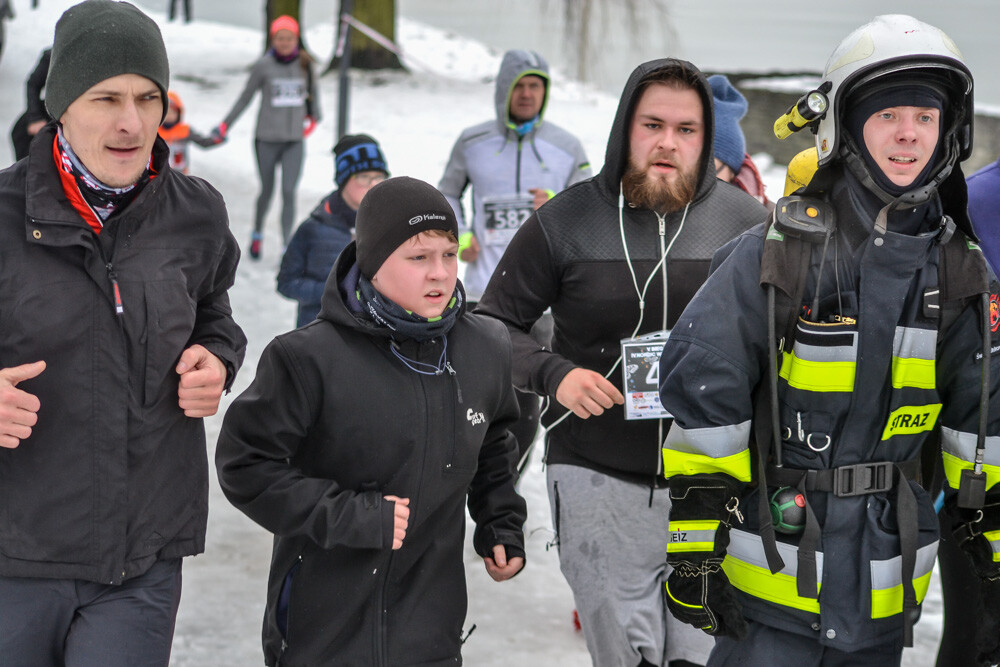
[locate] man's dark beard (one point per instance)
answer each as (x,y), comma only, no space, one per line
(660,196)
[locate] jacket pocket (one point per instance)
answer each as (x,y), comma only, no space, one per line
(883,547)
(284,598)
(170,320)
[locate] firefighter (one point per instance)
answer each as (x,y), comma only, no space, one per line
(858,321)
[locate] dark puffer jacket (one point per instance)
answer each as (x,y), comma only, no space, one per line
(314,247)
(114,476)
(333,422)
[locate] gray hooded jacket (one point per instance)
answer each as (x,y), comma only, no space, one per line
(502,166)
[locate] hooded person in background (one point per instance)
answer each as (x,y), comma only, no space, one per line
(306,264)
(618,256)
(853,357)
(515,163)
(732,163)
(365,482)
(116,338)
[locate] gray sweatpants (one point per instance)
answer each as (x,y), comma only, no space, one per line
(269,154)
(612,551)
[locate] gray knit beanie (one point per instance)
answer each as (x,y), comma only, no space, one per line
(99,39)
(391,213)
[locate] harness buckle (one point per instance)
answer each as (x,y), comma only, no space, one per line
(862,478)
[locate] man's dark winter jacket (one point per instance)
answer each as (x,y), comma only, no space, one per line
(311,253)
(569,256)
(333,422)
(114,476)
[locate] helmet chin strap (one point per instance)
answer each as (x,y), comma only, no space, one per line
(851,156)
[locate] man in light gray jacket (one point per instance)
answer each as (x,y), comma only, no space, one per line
(514,163)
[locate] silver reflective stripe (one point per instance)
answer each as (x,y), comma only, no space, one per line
(889,573)
(913,343)
(827,352)
(692,536)
(749,548)
(962,445)
(716,442)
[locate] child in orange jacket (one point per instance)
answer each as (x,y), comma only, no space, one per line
(179,134)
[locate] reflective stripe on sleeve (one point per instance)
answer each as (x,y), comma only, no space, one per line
(691,536)
(959,453)
(993,537)
(887,581)
(708,450)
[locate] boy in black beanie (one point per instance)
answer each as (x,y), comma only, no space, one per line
(363,438)
(117,339)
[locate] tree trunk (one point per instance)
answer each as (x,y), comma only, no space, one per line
(380,15)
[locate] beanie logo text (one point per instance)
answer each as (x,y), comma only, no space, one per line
(417,219)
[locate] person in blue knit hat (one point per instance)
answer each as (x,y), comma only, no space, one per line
(732,162)
(317,242)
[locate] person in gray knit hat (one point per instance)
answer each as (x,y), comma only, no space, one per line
(116,339)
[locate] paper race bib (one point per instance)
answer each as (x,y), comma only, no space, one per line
(288,92)
(504,216)
(641,376)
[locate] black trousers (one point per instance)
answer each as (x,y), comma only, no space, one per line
(56,622)
(769,646)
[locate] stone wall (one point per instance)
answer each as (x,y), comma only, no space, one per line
(766,104)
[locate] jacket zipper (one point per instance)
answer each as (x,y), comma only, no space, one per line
(113,277)
(383,613)
(455,417)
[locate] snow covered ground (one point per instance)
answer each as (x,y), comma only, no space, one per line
(416,117)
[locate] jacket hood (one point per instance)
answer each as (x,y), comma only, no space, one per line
(617,154)
(515,64)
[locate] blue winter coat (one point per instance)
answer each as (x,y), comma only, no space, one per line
(984,195)
(311,253)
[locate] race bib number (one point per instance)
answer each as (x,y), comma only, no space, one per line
(641,376)
(504,216)
(288,93)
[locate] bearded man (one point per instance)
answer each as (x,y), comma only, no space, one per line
(617,257)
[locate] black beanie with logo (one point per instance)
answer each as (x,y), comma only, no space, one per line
(100,39)
(394,211)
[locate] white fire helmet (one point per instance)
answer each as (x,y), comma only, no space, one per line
(896,46)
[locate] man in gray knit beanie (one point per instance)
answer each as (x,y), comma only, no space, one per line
(117,340)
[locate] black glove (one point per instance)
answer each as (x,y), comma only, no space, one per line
(698,591)
(978,534)
(988,626)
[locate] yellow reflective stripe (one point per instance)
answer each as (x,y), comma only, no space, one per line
(683,604)
(918,373)
(817,375)
(688,463)
(953,467)
(911,419)
(993,537)
(889,601)
(759,582)
(690,536)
